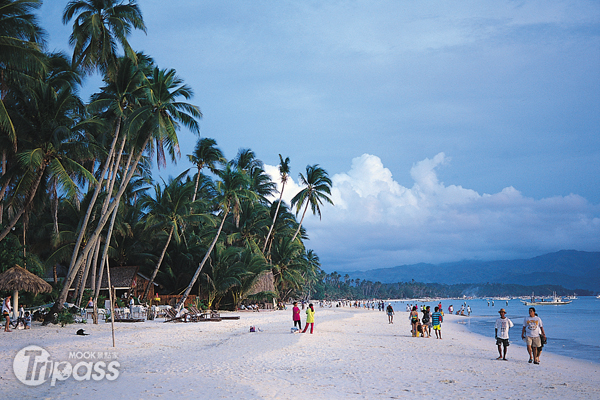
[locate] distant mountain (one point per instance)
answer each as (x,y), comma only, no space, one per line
(568,268)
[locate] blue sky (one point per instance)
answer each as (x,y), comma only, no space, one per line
(451,130)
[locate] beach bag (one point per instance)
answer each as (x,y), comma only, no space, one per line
(425,318)
(252,329)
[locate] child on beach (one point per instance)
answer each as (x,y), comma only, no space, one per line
(503,324)
(310,318)
(27,319)
(296,316)
(436,320)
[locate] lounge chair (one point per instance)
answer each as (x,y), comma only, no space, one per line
(171,316)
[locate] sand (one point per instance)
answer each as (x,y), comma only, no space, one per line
(353,354)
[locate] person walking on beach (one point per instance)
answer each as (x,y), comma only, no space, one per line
(414,320)
(390,313)
(427,321)
(6,310)
(532,333)
(502,326)
(296,316)
(436,320)
(310,318)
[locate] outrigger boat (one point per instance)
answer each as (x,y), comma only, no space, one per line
(555,301)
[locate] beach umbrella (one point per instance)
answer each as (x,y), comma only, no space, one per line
(19,279)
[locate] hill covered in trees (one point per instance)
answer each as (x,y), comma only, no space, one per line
(568,268)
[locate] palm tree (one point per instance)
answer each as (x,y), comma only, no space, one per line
(317,187)
(254,264)
(284,173)
(99,26)
(49,123)
(205,154)
(231,189)
(259,181)
(169,209)
(158,119)
(224,273)
(287,261)
(21,39)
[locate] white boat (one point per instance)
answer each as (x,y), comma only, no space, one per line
(555,301)
(573,297)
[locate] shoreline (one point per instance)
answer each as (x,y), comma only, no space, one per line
(354,353)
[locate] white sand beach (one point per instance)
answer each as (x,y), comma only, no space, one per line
(353,354)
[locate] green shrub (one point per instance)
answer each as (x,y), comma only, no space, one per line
(65,317)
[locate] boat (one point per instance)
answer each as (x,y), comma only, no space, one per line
(573,297)
(598,297)
(555,301)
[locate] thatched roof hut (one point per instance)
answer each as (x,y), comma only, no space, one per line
(18,278)
(264,283)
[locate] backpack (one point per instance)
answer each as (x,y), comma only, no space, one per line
(426,318)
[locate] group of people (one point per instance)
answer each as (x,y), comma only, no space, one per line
(310,317)
(533,333)
(424,325)
(24,317)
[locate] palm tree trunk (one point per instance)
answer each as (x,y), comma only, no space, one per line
(58,305)
(5,186)
(162,255)
(300,225)
(88,213)
(196,185)
(84,276)
(197,273)
(103,261)
(54,206)
(28,201)
(274,218)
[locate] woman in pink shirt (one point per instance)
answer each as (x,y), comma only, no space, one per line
(296,316)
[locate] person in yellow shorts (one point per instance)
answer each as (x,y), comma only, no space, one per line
(436,320)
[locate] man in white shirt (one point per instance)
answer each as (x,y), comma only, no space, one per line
(502,326)
(532,326)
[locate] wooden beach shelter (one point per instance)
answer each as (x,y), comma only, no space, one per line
(19,279)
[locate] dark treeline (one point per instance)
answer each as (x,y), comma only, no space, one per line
(75,183)
(335,286)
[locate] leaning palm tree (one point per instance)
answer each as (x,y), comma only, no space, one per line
(156,121)
(284,173)
(98,27)
(169,209)
(317,187)
(231,189)
(205,154)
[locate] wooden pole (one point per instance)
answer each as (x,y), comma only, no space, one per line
(112,303)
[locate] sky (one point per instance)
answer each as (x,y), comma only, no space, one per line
(451,130)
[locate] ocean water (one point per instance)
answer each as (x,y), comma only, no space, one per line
(573,330)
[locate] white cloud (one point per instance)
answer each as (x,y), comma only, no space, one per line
(377,222)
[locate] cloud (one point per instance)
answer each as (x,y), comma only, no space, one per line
(376,222)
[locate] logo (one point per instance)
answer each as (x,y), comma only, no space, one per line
(33,367)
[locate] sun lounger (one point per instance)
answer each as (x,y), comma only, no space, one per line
(171,316)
